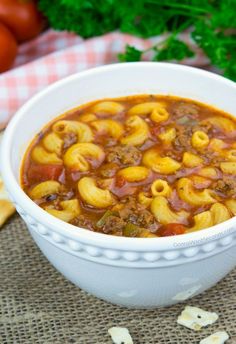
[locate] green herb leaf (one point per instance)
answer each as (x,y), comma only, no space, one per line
(213,25)
(131,54)
(174,49)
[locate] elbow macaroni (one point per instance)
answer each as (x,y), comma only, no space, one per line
(228,167)
(87,117)
(187,193)
(158,164)
(164,214)
(208,172)
(71,209)
(231,205)
(83,131)
(201,221)
(143,109)
(108,126)
(108,108)
(43,189)
(160,188)
(223,123)
(144,199)
(231,155)
(75,156)
(168,136)
(200,139)
(159,114)
(219,213)
(139,132)
(191,160)
(53,143)
(93,195)
(216,144)
(134,173)
(41,156)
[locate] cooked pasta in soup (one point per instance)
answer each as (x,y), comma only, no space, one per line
(141,166)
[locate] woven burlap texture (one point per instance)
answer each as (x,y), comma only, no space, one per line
(38,306)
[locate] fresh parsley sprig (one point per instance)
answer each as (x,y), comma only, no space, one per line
(212,22)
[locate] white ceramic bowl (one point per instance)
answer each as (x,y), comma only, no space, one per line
(133,272)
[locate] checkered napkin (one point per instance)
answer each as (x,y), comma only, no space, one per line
(54,55)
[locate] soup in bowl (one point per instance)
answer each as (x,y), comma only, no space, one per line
(141,166)
(125,177)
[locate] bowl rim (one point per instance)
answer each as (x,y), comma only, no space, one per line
(84,235)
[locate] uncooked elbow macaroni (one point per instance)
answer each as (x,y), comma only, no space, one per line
(93,195)
(140,166)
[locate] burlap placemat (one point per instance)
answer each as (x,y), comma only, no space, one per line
(38,306)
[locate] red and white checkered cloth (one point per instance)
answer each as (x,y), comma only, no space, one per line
(54,55)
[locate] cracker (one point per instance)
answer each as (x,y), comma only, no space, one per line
(195,318)
(216,338)
(6,207)
(120,335)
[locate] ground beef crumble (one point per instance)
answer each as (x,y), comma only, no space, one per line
(125,155)
(185,109)
(226,186)
(114,225)
(108,170)
(82,221)
(137,214)
(184,135)
(132,213)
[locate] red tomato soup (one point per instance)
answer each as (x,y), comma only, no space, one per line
(141,166)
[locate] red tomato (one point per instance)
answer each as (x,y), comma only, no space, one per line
(171,229)
(40,173)
(22,18)
(8,48)
(120,181)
